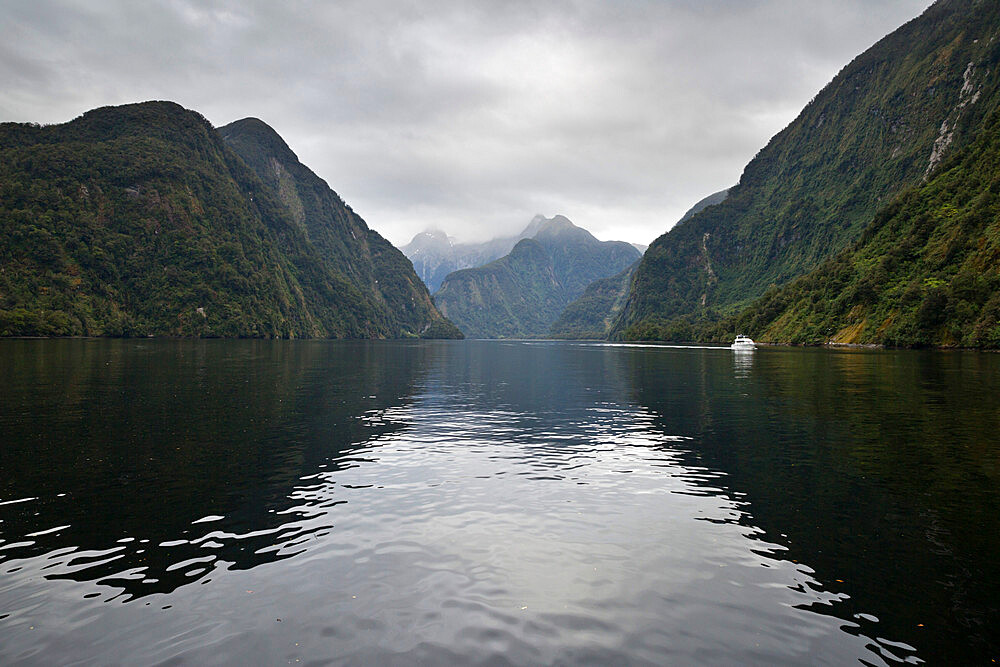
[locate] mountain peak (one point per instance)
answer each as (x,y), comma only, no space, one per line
(536,223)
(256,131)
(430,239)
(162,120)
(558,222)
(548,226)
(522,293)
(437,234)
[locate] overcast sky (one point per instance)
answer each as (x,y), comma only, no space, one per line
(470,116)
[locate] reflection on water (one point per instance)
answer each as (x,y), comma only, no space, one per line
(462,502)
(877,468)
(742,363)
(155,462)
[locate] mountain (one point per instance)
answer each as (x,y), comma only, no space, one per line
(435,254)
(522,294)
(592,314)
(371,263)
(925,272)
(139,220)
(710,200)
(881,126)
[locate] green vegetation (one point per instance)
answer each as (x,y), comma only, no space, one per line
(509,298)
(873,132)
(138,220)
(592,314)
(521,295)
(702,204)
(926,272)
(371,263)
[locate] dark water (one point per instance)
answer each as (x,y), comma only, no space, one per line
(488,502)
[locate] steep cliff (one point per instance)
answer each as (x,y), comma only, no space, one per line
(373,264)
(139,220)
(592,314)
(881,126)
(925,272)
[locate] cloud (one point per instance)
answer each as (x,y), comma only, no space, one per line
(469,116)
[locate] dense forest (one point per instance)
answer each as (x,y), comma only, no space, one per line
(925,272)
(377,268)
(882,126)
(593,313)
(139,221)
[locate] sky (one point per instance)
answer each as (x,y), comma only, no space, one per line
(469,116)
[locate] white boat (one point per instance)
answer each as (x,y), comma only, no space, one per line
(743,343)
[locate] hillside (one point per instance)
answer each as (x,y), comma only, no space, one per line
(592,314)
(881,126)
(138,220)
(926,272)
(522,294)
(702,204)
(370,262)
(434,254)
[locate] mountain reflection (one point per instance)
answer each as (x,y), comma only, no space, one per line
(143,466)
(467,502)
(878,469)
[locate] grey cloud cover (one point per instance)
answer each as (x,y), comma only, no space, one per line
(468,116)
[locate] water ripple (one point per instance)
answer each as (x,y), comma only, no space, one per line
(519,507)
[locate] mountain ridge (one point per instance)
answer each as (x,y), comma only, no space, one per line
(522,293)
(139,220)
(434,254)
(875,130)
(925,273)
(373,264)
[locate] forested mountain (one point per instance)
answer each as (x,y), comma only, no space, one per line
(592,314)
(435,254)
(701,205)
(522,294)
(371,263)
(925,272)
(880,127)
(139,220)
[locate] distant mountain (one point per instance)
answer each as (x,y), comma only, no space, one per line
(594,313)
(591,315)
(522,294)
(710,200)
(435,254)
(881,126)
(925,272)
(140,220)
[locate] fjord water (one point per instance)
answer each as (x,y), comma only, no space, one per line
(223,502)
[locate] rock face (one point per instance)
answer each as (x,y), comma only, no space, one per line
(875,130)
(926,272)
(370,262)
(140,220)
(522,294)
(435,254)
